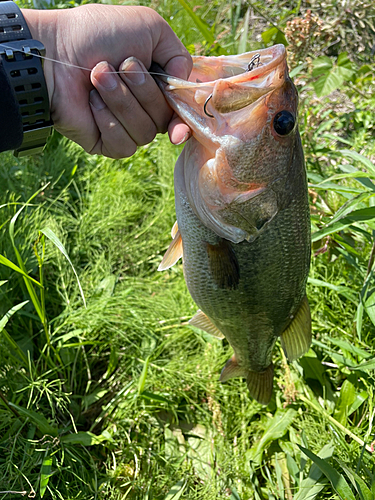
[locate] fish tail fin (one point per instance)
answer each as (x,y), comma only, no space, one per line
(296,339)
(260,385)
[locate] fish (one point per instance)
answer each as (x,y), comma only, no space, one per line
(243,223)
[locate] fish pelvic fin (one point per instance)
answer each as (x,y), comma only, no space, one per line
(232,370)
(223,265)
(296,339)
(260,385)
(174,252)
(203,322)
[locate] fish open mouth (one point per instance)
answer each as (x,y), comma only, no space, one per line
(237,107)
(229,83)
(250,66)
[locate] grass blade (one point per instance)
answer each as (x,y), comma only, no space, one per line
(367,366)
(346,291)
(361,215)
(4,320)
(201,25)
(16,215)
(275,429)
(242,45)
(337,480)
(142,378)
(15,347)
(9,263)
(45,474)
(39,420)
(33,296)
(358,483)
(55,240)
(313,484)
(176,491)
(347,153)
(85,438)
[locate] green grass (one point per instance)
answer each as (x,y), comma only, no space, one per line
(120,399)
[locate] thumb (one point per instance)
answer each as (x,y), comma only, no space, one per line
(170,53)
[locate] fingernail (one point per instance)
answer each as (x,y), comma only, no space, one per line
(96,101)
(184,139)
(104,77)
(133,71)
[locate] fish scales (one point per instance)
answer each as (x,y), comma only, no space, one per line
(270,289)
(243,214)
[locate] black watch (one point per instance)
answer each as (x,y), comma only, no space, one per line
(18,53)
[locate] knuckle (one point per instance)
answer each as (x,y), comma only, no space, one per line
(148,135)
(130,150)
(96,149)
(112,151)
(126,105)
(163,127)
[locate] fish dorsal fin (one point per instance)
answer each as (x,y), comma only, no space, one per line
(173,253)
(296,339)
(223,265)
(260,385)
(232,370)
(203,322)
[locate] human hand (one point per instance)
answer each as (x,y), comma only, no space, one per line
(104,112)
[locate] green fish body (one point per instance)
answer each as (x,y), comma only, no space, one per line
(243,225)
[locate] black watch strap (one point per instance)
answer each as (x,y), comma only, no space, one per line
(19,56)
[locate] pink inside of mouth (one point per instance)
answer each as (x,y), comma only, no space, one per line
(249,66)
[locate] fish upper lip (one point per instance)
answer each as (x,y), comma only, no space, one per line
(276,53)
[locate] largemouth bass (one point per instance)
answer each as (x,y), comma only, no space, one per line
(243,225)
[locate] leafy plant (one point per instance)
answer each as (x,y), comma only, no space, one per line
(121,399)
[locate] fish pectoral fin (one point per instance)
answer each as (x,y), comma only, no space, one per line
(223,265)
(173,254)
(174,230)
(296,339)
(203,322)
(232,370)
(260,385)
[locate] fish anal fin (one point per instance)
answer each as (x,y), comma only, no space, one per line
(260,385)
(296,339)
(203,322)
(232,370)
(173,254)
(223,265)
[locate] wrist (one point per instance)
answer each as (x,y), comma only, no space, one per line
(24,84)
(42,25)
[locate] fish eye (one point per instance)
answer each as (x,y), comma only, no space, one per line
(284,122)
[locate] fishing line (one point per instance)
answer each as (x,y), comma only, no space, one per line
(75,65)
(254,62)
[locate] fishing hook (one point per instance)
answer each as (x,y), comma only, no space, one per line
(205,106)
(255,60)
